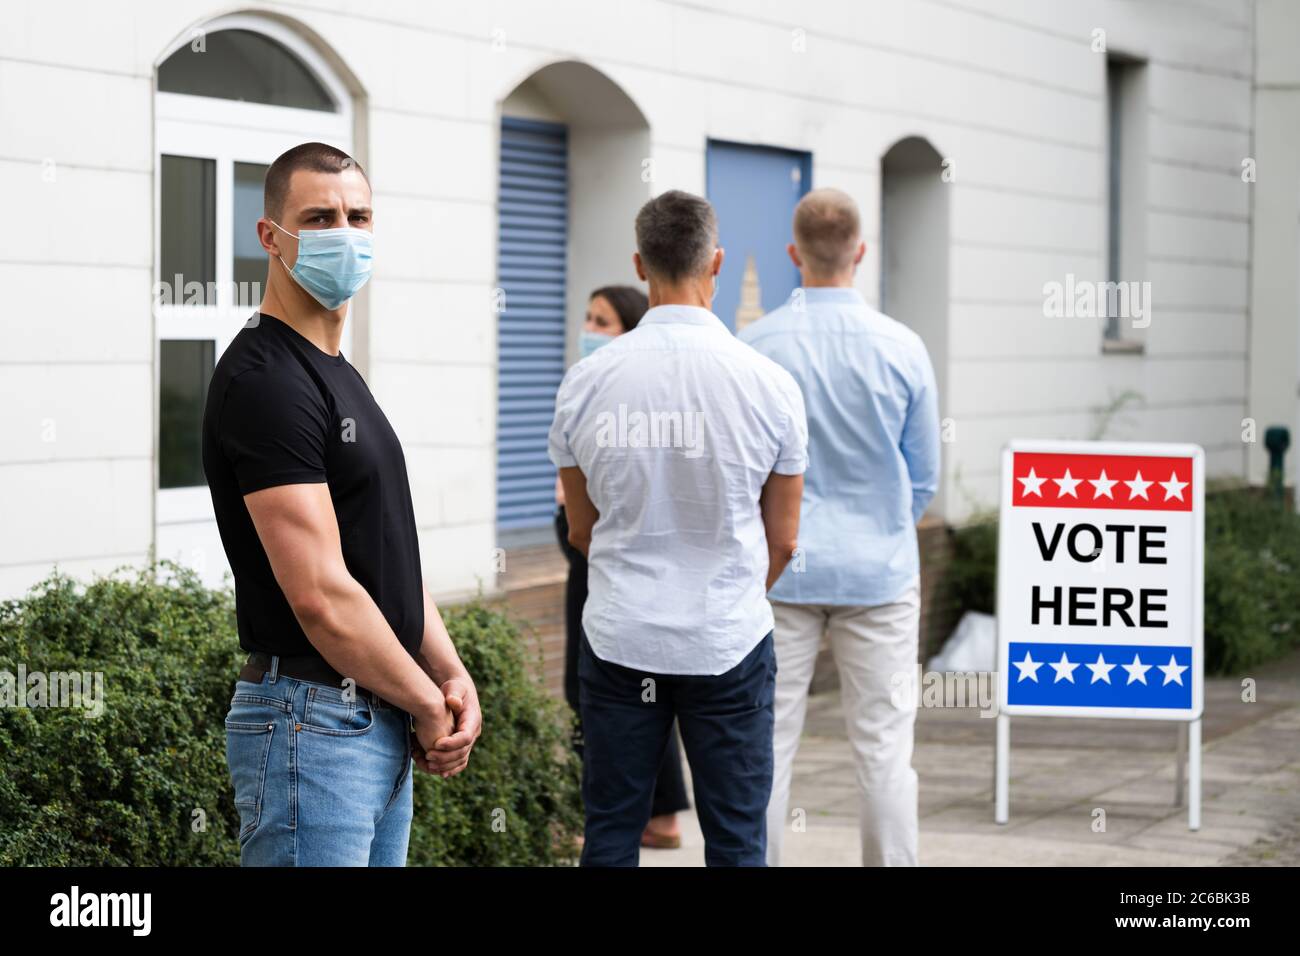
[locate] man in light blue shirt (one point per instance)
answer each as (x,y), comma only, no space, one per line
(873,437)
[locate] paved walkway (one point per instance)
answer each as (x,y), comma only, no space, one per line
(1062,770)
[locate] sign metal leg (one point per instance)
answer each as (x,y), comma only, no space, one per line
(1194,774)
(1002,770)
(1180,765)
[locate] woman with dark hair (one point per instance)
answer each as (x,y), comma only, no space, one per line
(611,311)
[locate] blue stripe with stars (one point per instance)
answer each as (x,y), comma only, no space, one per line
(1088,688)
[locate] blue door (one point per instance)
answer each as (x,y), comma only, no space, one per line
(531,273)
(754,190)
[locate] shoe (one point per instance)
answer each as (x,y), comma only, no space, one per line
(661,841)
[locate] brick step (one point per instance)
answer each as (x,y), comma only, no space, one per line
(534,584)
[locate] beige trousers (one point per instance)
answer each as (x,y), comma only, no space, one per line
(871,646)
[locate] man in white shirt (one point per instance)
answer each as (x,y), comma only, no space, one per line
(682,454)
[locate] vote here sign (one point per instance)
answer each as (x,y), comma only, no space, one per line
(1100,579)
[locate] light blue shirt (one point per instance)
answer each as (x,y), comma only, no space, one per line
(676,427)
(873,445)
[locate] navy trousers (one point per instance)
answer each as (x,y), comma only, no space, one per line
(726,728)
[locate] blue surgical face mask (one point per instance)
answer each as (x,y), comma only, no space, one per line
(332,264)
(588,342)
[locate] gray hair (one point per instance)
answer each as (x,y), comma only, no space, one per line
(676,234)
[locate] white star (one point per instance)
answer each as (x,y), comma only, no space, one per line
(1031,484)
(1064,669)
(1173,487)
(1173,671)
(1101,486)
(1137,488)
(1100,670)
(1028,668)
(1067,485)
(1137,671)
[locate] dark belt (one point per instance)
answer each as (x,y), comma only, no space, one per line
(308,667)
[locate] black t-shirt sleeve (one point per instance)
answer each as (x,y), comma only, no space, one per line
(273,430)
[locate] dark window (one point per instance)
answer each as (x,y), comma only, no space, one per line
(1125,165)
(185,371)
(243,65)
(249,256)
(1114,145)
(189,233)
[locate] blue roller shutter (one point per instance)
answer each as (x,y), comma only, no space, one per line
(531,272)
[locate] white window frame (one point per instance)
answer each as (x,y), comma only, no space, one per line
(228,132)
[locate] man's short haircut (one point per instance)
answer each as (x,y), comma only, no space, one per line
(827,230)
(315,157)
(676,234)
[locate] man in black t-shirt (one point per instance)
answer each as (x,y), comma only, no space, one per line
(350,672)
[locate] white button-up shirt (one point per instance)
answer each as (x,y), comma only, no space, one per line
(676,426)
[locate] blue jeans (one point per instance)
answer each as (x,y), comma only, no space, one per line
(726,726)
(319,780)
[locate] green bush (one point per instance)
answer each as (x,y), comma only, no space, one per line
(146,783)
(121,788)
(970,580)
(519,803)
(1252,577)
(1252,580)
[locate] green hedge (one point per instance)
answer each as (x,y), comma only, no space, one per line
(146,783)
(519,803)
(1252,580)
(1252,577)
(970,579)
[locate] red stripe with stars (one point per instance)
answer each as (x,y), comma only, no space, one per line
(1121,482)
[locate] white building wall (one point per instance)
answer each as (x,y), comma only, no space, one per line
(76,343)
(1009,90)
(1275,280)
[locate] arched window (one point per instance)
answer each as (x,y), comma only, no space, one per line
(236,64)
(230,99)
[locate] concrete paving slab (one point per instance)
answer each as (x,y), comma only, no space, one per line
(1061,771)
